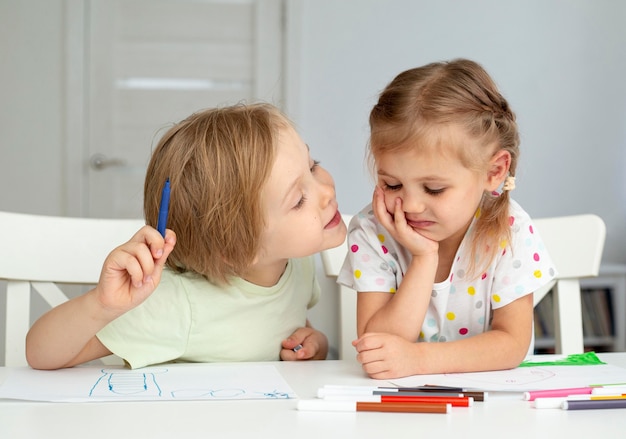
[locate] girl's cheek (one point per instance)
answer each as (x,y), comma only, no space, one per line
(390,202)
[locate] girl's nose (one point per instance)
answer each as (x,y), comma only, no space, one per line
(412,203)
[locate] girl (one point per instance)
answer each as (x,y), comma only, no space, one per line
(249,208)
(443,254)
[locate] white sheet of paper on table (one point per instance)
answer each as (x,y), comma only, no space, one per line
(523,379)
(166,382)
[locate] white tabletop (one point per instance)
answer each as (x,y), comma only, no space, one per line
(503,416)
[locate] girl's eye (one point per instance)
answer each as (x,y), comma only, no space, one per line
(315,165)
(392,187)
(431,191)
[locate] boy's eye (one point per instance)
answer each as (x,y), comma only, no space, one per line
(300,203)
(315,165)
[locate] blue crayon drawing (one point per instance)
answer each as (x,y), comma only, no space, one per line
(127,383)
(186,383)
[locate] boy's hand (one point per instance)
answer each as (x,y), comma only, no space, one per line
(304,344)
(132,271)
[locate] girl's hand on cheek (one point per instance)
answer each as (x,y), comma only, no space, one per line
(380,209)
(395,223)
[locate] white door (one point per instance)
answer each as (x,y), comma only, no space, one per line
(150,63)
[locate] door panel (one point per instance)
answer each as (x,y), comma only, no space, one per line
(151,63)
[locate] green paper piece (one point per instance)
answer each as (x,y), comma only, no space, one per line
(586,359)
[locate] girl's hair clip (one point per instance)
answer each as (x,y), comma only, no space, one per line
(509,184)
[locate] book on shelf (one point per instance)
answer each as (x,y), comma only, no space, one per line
(597,316)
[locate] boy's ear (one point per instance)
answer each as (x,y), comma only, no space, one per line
(498,169)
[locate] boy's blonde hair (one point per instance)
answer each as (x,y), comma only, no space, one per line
(218,161)
(413,112)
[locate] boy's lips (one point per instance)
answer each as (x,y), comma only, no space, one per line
(333,222)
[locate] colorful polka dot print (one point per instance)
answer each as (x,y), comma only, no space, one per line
(461,305)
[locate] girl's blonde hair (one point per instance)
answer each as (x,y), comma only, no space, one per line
(413,111)
(218,161)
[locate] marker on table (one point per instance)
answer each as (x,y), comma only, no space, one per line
(351,406)
(164,208)
(426,388)
(609,390)
(331,391)
(557,403)
(554,393)
(454,401)
(594,404)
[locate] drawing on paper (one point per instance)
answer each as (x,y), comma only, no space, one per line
(521,377)
(129,383)
(160,383)
(225,394)
(138,383)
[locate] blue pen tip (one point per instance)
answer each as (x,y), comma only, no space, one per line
(164,208)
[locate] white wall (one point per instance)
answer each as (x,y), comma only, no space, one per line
(31,106)
(559,62)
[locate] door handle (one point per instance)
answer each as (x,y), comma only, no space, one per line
(100,161)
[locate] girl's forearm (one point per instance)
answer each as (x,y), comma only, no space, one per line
(64,332)
(404,313)
(491,350)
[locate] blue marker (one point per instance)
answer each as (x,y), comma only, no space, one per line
(164,208)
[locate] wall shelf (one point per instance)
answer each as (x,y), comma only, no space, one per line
(603,297)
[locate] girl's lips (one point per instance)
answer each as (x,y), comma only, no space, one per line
(420,224)
(333,222)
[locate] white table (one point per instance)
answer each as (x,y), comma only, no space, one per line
(499,417)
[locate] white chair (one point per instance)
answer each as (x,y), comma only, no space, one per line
(575,244)
(332,260)
(37,252)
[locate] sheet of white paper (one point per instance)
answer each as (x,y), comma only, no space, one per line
(158,383)
(523,379)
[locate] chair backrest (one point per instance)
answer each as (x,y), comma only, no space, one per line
(332,260)
(37,252)
(575,244)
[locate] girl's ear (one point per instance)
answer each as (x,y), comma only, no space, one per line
(498,169)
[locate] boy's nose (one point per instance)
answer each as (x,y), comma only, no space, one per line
(327,190)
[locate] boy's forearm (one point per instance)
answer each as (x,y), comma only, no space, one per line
(62,333)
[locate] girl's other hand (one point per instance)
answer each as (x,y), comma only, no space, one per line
(385,356)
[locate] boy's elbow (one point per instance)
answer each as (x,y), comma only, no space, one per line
(34,357)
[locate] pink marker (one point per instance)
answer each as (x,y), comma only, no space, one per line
(556,393)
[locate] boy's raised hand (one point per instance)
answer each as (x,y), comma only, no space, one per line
(132,271)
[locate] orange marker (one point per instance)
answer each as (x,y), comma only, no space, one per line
(353,406)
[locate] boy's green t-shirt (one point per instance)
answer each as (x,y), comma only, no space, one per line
(189,319)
